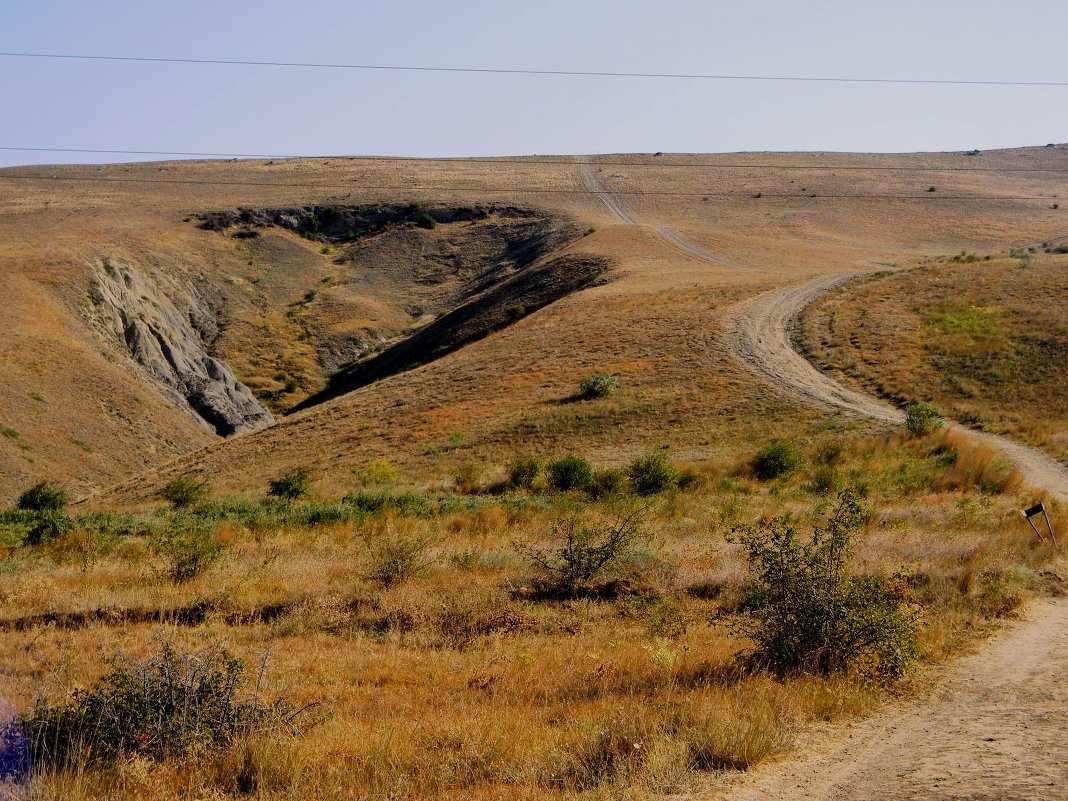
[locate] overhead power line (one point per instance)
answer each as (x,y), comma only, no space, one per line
(510,71)
(755,195)
(560,160)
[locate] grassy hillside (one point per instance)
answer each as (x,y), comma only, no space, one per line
(284,315)
(430,592)
(984,339)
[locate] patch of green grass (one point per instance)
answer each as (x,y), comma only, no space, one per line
(85,446)
(975,321)
(10,433)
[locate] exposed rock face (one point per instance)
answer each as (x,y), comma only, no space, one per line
(170,345)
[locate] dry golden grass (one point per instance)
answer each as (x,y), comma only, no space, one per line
(456,684)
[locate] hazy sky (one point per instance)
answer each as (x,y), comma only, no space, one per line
(303,111)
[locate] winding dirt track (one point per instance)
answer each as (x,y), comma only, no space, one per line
(996,725)
(760,331)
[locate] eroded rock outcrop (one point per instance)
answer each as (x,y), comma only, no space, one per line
(167,330)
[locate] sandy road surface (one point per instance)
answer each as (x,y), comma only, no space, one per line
(669,235)
(995,727)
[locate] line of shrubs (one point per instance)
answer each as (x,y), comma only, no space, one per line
(646,475)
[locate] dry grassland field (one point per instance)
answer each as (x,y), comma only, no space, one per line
(604,477)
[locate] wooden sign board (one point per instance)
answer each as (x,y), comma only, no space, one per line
(1035,511)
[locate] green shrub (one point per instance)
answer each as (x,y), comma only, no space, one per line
(824,481)
(43,497)
(48,527)
(597,386)
(426,221)
(395,559)
(186,490)
(776,460)
(607,483)
(921,418)
(187,554)
(468,478)
(414,504)
(523,472)
(808,614)
(291,486)
(583,552)
(652,474)
(172,704)
(569,473)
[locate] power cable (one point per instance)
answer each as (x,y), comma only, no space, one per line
(509,71)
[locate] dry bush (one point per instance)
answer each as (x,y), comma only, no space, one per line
(584,551)
(809,614)
(972,466)
(172,704)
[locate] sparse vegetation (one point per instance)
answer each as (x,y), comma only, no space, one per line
(396,558)
(569,473)
(292,486)
(450,664)
(171,704)
(376,472)
(777,460)
(583,551)
(978,341)
(186,553)
(600,385)
(468,478)
(186,490)
(921,419)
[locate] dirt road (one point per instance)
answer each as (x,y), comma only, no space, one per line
(672,237)
(994,728)
(760,332)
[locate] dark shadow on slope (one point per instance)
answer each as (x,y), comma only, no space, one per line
(499,306)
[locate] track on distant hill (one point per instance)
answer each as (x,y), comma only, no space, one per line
(669,235)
